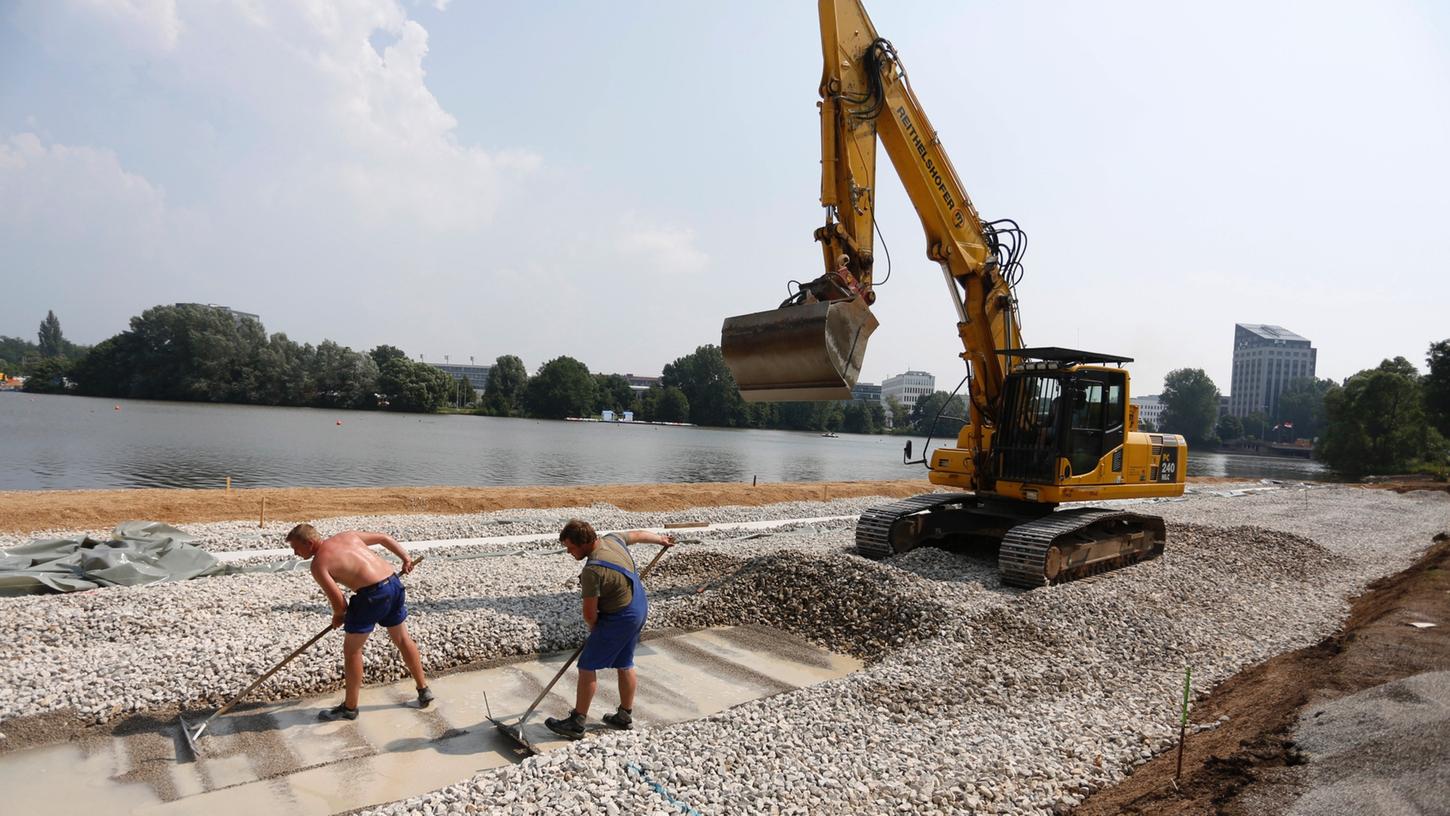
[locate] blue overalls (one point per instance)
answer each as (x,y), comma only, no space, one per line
(611,644)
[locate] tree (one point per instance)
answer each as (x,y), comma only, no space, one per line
(52,342)
(900,414)
(938,415)
(863,417)
(563,387)
(1301,407)
(48,376)
(710,388)
(1437,386)
(1229,428)
(343,378)
(506,381)
(1376,424)
(382,354)
(671,406)
(1255,425)
(417,387)
(1190,404)
(612,393)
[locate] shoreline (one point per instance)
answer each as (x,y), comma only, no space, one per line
(28,511)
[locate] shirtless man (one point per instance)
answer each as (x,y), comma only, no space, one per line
(377,597)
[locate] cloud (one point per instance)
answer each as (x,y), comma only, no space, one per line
(76,217)
(312,159)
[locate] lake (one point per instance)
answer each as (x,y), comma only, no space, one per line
(64,443)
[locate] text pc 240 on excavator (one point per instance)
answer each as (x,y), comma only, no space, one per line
(1046,426)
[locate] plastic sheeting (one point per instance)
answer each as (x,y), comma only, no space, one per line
(138,553)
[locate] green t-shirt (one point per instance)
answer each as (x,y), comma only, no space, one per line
(611,588)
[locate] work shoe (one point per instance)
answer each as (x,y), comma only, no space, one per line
(620,719)
(571,727)
(337,712)
(425,696)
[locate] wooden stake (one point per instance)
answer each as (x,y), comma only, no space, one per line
(1183,721)
(262,519)
(229,485)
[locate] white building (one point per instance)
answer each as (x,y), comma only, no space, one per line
(1150,409)
(908,388)
(1266,358)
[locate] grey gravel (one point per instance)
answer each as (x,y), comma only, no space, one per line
(975,697)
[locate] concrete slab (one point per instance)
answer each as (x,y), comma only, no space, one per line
(282,759)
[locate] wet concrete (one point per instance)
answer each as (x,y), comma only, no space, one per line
(282,759)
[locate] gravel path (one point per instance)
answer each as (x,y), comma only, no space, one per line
(976,697)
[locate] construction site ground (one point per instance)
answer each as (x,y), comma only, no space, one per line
(1251,763)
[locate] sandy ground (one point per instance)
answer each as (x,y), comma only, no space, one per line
(27,511)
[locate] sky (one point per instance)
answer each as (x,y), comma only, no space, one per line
(609,181)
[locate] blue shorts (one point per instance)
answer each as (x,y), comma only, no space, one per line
(380,603)
(611,644)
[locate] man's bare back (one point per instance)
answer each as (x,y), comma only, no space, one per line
(347,559)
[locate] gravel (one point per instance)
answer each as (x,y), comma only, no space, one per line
(975,697)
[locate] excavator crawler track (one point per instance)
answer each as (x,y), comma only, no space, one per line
(1062,545)
(1072,544)
(873,529)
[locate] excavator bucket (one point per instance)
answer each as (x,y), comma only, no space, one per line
(807,352)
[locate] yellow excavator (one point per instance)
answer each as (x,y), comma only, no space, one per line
(1045,425)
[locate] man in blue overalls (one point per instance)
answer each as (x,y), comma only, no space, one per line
(615,608)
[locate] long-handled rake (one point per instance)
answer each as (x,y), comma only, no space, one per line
(192,736)
(515,732)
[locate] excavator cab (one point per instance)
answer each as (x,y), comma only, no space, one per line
(801,351)
(1059,410)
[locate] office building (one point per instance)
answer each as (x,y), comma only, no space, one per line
(1266,359)
(1150,409)
(866,392)
(476,375)
(909,387)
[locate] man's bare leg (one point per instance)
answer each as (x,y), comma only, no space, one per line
(588,682)
(352,665)
(627,684)
(409,650)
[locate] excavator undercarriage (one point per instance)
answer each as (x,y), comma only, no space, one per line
(1036,545)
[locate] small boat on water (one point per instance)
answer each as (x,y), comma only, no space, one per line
(830,435)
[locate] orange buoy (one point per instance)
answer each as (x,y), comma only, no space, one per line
(118,407)
(339,422)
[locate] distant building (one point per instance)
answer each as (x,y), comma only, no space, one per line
(866,392)
(1150,409)
(236,315)
(1266,358)
(909,387)
(476,375)
(641,383)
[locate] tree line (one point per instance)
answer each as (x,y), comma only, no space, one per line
(1390,419)
(191,352)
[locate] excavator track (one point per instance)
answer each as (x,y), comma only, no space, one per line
(1072,544)
(873,529)
(1060,546)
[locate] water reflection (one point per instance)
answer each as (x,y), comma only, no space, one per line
(75,442)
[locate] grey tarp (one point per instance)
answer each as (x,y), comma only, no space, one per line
(139,552)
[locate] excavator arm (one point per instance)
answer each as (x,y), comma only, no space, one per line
(811,347)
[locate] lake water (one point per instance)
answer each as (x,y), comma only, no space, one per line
(62,442)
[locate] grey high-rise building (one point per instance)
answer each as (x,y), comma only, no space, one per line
(1266,359)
